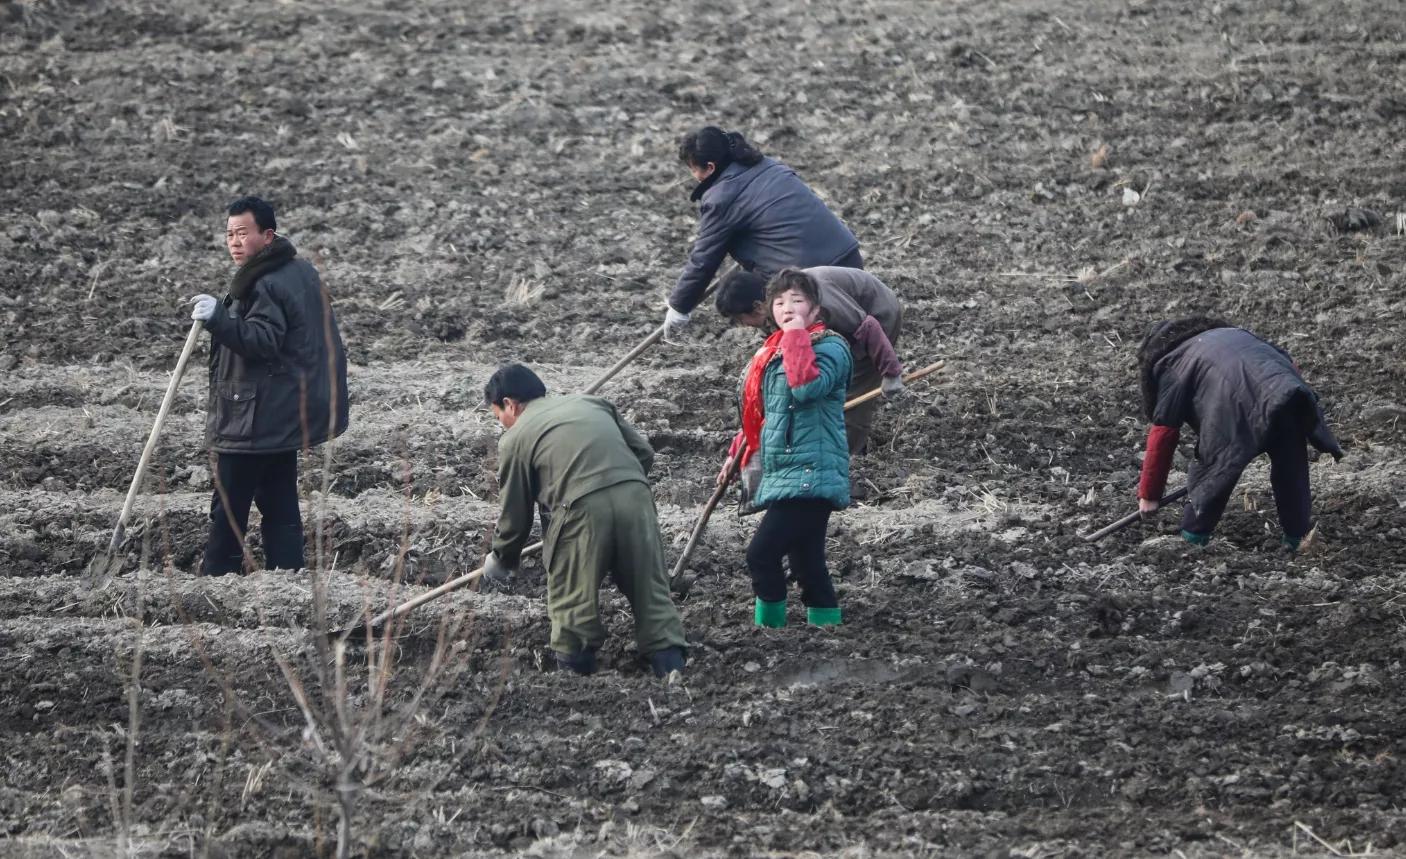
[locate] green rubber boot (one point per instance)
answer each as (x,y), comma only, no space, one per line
(823,616)
(1195,539)
(769,614)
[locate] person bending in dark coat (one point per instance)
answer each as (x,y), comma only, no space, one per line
(1244,397)
(758,211)
(278,384)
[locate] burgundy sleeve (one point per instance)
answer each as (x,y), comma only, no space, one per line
(1161,444)
(737,443)
(798,358)
(875,343)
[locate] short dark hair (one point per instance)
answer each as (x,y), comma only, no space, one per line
(262,211)
(515,381)
(739,292)
(793,278)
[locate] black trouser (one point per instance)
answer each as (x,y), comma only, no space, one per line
(269,480)
(794,528)
(1288,477)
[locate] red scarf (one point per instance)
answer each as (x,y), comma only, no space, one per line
(753,413)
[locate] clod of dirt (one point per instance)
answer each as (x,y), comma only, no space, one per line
(1383,412)
(1180,683)
(1109,611)
(1161,545)
(1355,220)
(970,677)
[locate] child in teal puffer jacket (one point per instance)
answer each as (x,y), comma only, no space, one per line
(793,415)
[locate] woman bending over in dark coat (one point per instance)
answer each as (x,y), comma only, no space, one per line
(756,210)
(1244,397)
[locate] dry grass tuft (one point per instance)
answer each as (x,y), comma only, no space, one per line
(522,291)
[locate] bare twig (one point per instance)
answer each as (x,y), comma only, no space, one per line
(1314,835)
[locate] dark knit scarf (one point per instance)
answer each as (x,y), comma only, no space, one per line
(273,257)
(1164,337)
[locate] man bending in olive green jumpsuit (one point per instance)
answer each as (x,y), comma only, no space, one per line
(577,458)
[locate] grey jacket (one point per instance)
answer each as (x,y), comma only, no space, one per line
(271,387)
(1234,389)
(863,310)
(766,218)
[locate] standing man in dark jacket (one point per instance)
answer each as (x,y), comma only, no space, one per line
(576,458)
(1243,396)
(758,211)
(278,384)
(857,306)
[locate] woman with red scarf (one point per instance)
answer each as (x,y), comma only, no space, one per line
(793,424)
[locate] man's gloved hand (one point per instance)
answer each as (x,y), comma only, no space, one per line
(892,386)
(204,307)
(674,323)
(494,572)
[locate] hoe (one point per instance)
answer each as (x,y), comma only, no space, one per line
(107,564)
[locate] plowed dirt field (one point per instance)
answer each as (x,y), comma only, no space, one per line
(482,182)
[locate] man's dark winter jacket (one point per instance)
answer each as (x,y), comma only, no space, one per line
(767,219)
(1232,388)
(272,385)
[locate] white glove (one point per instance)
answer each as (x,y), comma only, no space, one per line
(494,571)
(892,386)
(204,307)
(674,323)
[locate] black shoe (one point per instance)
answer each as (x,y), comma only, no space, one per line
(583,663)
(670,659)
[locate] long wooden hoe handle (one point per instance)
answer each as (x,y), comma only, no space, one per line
(693,538)
(654,337)
(733,464)
(120,531)
(449,586)
(908,379)
(1132,517)
(626,361)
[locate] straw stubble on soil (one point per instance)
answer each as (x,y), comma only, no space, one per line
(478,185)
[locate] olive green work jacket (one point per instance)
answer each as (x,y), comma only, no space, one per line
(560,449)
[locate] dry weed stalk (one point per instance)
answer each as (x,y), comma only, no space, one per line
(356,734)
(1344,850)
(120,799)
(523,292)
(1085,277)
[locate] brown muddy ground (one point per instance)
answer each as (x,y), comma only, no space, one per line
(497,181)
